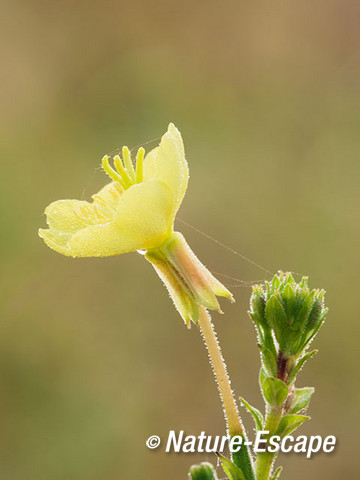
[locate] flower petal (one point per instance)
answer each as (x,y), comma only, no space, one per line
(65,215)
(167,163)
(142,220)
(71,215)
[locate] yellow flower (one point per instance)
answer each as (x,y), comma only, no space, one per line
(136,212)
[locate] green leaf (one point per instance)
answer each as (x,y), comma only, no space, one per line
(275,282)
(204,471)
(306,308)
(262,376)
(268,360)
(275,314)
(316,328)
(275,391)
(269,341)
(232,471)
(242,459)
(276,473)
(301,399)
(289,423)
(289,298)
(299,366)
(255,413)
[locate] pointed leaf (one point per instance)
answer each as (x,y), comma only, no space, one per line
(289,423)
(262,376)
(289,298)
(232,471)
(268,360)
(275,391)
(275,313)
(301,399)
(276,473)
(299,365)
(255,413)
(277,319)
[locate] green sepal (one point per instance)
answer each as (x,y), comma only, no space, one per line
(275,391)
(232,471)
(255,413)
(204,471)
(183,299)
(299,365)
(276,474)
(301,399)
(289,423)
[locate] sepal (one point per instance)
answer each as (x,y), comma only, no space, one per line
(188,281)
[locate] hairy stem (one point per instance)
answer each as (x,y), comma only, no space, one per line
(231,412)
(233,422)
(265,460)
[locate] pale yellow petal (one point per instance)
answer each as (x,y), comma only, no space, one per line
(149,164)
(109,195)
(64,215)
(167,163)
(143,220)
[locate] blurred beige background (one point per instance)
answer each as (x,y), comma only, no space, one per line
(93,357)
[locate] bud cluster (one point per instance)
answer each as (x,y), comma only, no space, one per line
(287,312)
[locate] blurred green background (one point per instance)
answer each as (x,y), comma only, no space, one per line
(93,356)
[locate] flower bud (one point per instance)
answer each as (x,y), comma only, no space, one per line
(257,305)
(204,471)
(290,310)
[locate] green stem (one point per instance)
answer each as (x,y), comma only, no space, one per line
(265,460)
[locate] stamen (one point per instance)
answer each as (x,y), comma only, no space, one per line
(77,215)
(111,172)
(86,211)
(139,164)
(117,188)
(125,177)
(102,207)
(100,200)
(99,214)
(128,163)
(115,192)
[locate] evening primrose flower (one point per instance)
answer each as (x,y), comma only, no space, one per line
(136,212)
